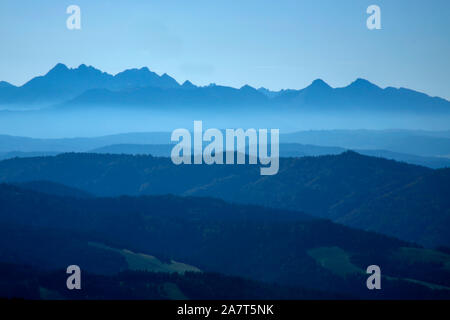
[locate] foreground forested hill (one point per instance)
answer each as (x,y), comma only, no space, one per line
(111,235)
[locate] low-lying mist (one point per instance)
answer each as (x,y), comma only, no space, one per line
(98,121)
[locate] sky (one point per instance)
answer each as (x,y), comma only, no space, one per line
(274,44)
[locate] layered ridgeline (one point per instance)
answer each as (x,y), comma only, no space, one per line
(406,201)
(426,148)
(192,237)
(85,85)
(62,83)
(285,150)
(85,101)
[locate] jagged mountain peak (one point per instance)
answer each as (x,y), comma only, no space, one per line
(58,68)
(361,83)
(247,87)
(319,84)
(188,84)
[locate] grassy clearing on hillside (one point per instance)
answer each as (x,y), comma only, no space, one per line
(334,259)
(338,261)
(145,262)
(418,255)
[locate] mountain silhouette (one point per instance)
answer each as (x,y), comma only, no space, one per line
(87,85)
(4,84)
(188,85)
(361,95)
(137,78)
(62,83)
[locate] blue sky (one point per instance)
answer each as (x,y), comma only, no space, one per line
(275,44)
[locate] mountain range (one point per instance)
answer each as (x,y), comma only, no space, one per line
(62,83)
(406,201)
(86,86)
(286,150)
(429,148)
(142,227)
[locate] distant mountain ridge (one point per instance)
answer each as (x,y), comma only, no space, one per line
(86,85)
(286,150)
(62,83)
(402,145)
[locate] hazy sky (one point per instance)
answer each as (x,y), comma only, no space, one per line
(275,44)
